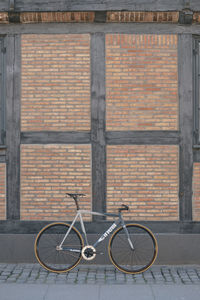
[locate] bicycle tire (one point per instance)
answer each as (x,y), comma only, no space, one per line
(52,259)
(141,257)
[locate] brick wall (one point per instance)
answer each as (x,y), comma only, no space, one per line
(2,191)
(142,16)
(55,82)
(47,173)
(141,94)
(56,17)
(146,179)
(196,192)
(141,82)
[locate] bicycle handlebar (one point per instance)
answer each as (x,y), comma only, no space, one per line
(124,207)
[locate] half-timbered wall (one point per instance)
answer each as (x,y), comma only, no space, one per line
(98,102)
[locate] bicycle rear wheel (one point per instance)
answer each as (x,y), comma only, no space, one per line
(138,259)
(50,256)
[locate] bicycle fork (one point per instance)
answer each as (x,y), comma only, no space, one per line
(127,234)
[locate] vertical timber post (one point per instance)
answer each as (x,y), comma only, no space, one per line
(185,48)
(98,106)
(13,86)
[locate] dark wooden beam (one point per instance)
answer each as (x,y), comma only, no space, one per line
(142,137)
(55,137)
(13,84)
(2,91)
(2,154)
(196,153)
(98,107)
(5,5)
(100,16)
(112,137)
(33,227)
(185,74)
(102,5)
(61,28)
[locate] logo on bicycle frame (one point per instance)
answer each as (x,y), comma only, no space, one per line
(107,232)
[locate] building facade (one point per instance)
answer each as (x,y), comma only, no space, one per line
(101,98)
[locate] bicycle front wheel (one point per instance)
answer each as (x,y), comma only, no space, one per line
(136,254)
(50,255)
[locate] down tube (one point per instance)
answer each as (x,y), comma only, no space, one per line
(106,233)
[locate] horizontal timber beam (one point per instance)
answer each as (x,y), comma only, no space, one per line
(112,137)
(142,137)
(98,5)
(32,227)
(54,137)
(71,28)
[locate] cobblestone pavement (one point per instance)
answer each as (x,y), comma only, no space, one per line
(99,274)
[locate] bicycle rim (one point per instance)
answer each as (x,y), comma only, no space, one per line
(137,260)
(49,256)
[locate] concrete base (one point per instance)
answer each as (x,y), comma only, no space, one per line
(100,292)
(173,249)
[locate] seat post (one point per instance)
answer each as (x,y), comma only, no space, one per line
(76,201)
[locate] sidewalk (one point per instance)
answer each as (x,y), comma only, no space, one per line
(30,281)
(99,274)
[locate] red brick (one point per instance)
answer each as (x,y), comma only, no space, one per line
(47,173)
(141,82)
(142,16)
(196,192)
(4,18)
(56,17)
(146,179)
(55,82)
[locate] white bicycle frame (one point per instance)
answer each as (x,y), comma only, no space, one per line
(104,235)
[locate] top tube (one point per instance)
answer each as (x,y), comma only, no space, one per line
(98,213)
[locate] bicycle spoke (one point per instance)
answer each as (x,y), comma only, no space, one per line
(137,259)
(47,253)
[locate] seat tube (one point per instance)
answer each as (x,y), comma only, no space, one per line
(69,229)
(83,228)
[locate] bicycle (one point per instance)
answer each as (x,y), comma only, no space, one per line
(59,247)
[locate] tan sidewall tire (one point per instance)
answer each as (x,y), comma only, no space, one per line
(35,247)
(155,254)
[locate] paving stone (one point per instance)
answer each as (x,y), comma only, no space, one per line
(33,273)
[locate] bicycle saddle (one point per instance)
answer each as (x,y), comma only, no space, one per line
(75,195)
